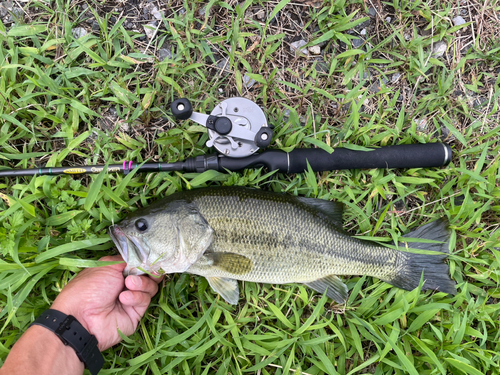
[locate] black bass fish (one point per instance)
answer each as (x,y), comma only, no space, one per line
(229,233)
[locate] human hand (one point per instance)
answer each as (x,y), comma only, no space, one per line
(96,297)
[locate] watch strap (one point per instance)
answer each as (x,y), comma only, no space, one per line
(73,334)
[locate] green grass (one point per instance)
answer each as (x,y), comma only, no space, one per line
(54,89)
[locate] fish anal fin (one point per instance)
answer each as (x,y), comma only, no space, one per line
(334,287)
(330,210)
(231,262)
(227,288)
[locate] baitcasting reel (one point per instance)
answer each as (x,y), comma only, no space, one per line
(237,127)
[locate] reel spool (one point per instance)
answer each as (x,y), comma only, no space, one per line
(237,127)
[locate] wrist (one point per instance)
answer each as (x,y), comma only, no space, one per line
(26,356)
(68,356)
(68,310)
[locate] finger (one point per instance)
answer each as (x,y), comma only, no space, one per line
(141,284)
(135,299)
(112,258)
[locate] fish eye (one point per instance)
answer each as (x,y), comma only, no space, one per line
(141,225)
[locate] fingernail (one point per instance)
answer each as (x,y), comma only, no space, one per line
(137,281)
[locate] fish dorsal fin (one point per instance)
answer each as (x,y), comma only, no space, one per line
(230,262)
(329,209)
(227,288)
(334,287)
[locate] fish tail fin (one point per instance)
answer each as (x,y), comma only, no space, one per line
(435,271)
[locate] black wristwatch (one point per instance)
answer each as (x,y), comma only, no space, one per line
(72,333)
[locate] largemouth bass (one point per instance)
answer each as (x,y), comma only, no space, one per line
(228,234)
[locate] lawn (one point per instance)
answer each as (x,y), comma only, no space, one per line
(90,82)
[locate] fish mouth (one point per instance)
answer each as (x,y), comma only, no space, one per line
(130,250)
(120,241)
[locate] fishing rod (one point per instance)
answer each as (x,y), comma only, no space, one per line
(237,129)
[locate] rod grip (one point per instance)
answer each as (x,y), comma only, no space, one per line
(271,159)
(398,156)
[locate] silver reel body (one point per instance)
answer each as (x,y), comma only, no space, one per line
(237,127)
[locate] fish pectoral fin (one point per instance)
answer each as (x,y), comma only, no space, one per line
(334,287)
(231,262)
(227,288)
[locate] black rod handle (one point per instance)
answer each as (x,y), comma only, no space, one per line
(270,159)
(398,156)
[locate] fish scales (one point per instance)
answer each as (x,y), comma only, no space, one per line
(286,241)
(229,234)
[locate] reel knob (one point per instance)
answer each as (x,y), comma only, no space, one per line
(263,137)
(181,109)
